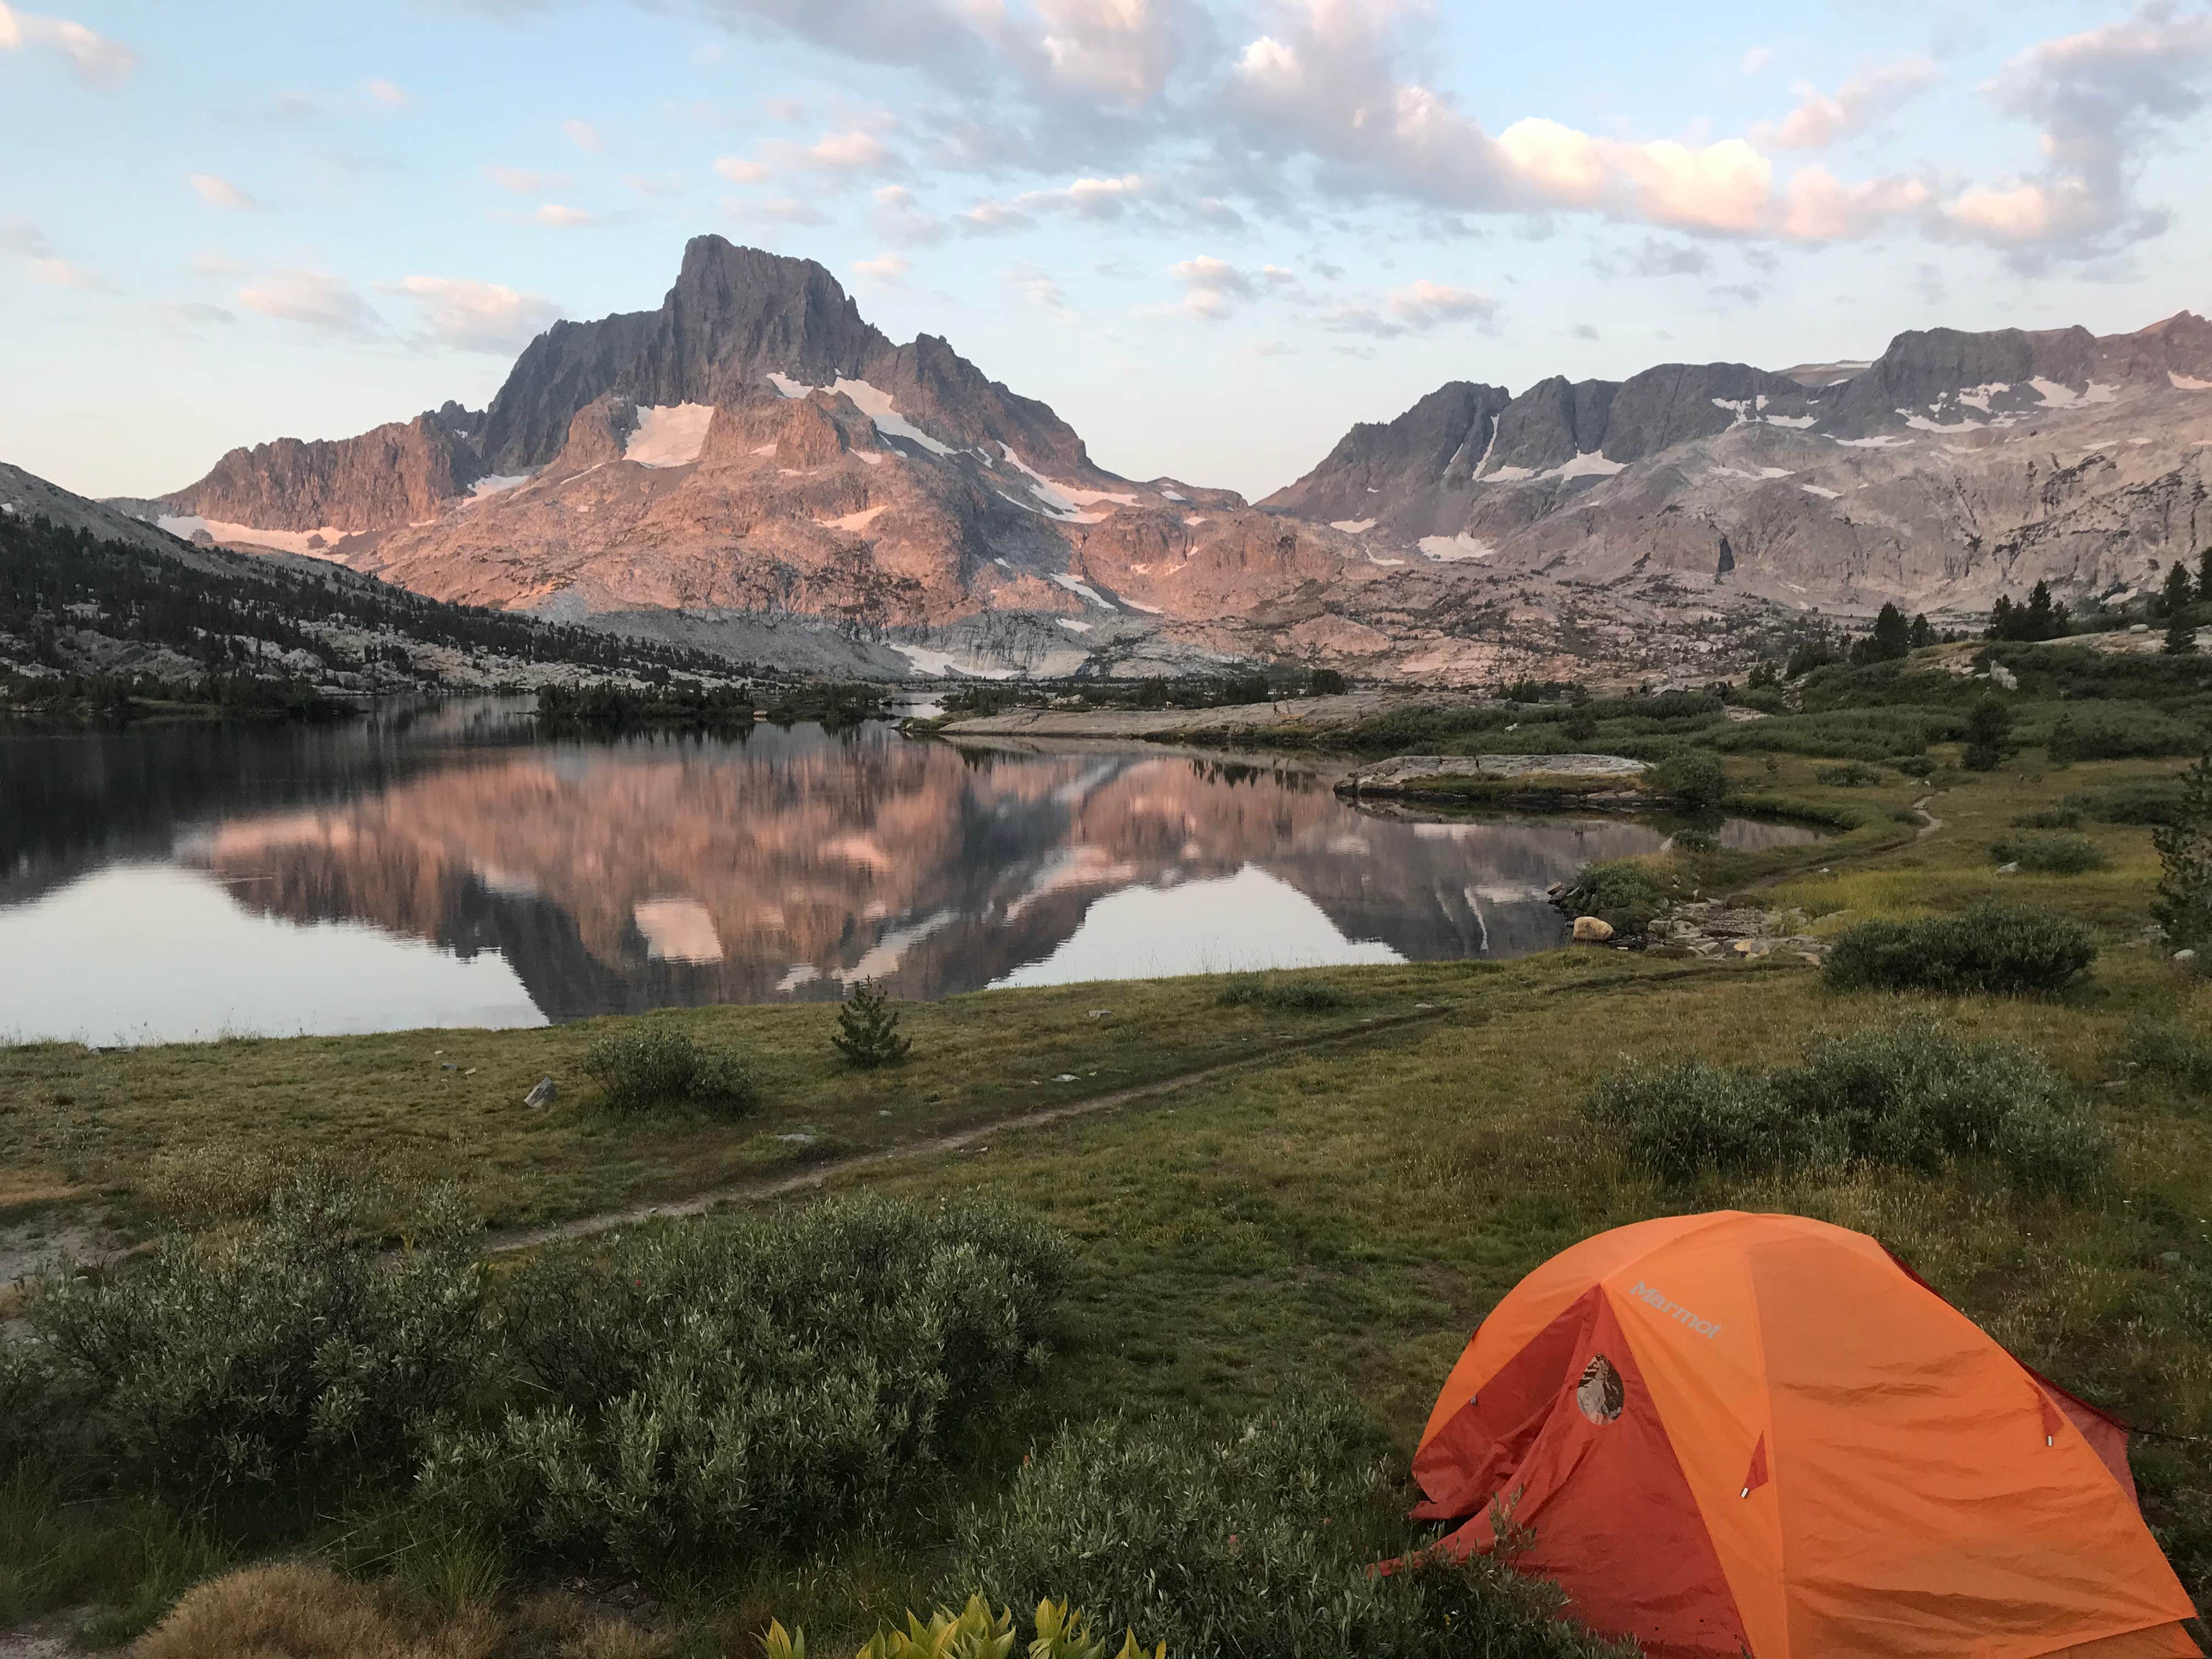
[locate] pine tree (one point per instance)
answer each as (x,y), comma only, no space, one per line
(2180,634)
(2038,622)
(2001,618)
(1922,633)
(1892,634)
(2204,577)
(867,1028)
(2184,854)
(2180,593)
(1986,728)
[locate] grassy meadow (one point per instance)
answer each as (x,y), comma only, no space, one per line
(1306,1184)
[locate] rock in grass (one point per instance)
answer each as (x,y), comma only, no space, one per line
(544,1094)
(1592,930)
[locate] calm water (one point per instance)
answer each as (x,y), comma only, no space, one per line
(446,868)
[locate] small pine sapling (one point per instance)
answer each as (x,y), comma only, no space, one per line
(2184,855)
(867,1028)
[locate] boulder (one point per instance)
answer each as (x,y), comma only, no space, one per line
(1592,930)
(544,1094)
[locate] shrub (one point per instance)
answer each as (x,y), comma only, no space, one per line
(302,1611)
(2056,817)
(2140,803)
(975,1632)
(1624,892)
(1914,766)
(1677,1117)
(867,1028)
(1991,949)
(1850,775)
(2184,857)
(702,1391)
(288,1350)
(1910,1095)
(2050,855)
(1696,779)
(649,1063)
(1987,730)
(1257,1544)
(1292,995)
(2171,1051)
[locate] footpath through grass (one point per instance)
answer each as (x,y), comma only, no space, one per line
(1338,1217)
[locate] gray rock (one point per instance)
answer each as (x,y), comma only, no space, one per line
(545,1092)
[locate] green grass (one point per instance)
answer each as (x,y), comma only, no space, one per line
(1336,1216)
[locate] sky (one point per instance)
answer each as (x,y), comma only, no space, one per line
(1212,233)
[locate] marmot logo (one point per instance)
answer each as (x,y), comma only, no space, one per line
(1675,1310)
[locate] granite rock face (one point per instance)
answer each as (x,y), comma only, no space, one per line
(393,474)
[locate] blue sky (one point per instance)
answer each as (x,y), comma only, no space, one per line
(1210,232)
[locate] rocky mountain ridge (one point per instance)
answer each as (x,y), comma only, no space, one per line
(1953,467)
(755,449)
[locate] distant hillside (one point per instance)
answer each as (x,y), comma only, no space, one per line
(89,596)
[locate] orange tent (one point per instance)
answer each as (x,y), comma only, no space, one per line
(1731,1434)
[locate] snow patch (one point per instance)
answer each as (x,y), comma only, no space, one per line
(1449,549)
(1352,526)
(670,435)
(1881,440)
(2056,396)
(1169,495)
(1509,475)
(1590,464)
(2184,383)
(1193,519)
(1774,473)
(1062,500)
(768,448)
(1825,494)
(1073,626)
(325,540)
(1373,558)
(1922,423)
(497,483)
(942,663)
(1796,422)
(1084,589)
(872,401)
(853,521)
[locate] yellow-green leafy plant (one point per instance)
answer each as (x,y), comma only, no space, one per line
(976,1632)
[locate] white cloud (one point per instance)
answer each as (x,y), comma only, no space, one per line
(781,210)
(470,316)
(2100,96)
(899,218)
(739,171)
(788,110)
(1757,60)
(1212,287)
(1037,288)
(1819,208)
(99,64)
(312,299)
(1119,50)
(18,235)
(1414,309)
(522,181)
(1086,198)
(557,216)
(386,92)
(658,184)
(192,314)
(584,135)
(1821,120)
(219,192)
(889,268)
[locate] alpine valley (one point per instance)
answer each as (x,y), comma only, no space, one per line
(754,470)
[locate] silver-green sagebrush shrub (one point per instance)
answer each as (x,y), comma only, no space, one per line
(726,1384)
(651,1064)
(1909,1094)
(290,1348)
(1254,1542)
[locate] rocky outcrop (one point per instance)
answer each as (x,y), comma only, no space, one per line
(395,474)
(1551,423)
(1445,434)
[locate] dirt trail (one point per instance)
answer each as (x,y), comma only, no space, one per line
(814,1175)
(1934,823)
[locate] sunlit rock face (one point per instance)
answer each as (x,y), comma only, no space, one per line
(630,877)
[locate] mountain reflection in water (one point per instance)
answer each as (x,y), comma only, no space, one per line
(632,875)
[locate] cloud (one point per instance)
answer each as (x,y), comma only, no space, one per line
(314,300)
(1414,309)
(1755,61)
(1654,257)
(522,181)
(1034,285)
(584,135)
(1086,198)
(1821,208)
(99,64)
(1584,332)
(1269,348)
(555,217)
(1212,287)
(781,210)
(20,236)
(889,268)
(739,171)
(219,192)
(659,185)
(469,316)
(853,151)
(386,92)
(192,315)
(789,111)
(1120,52)
(295,107)
(2101,97)
(899,218)
(1821,120)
